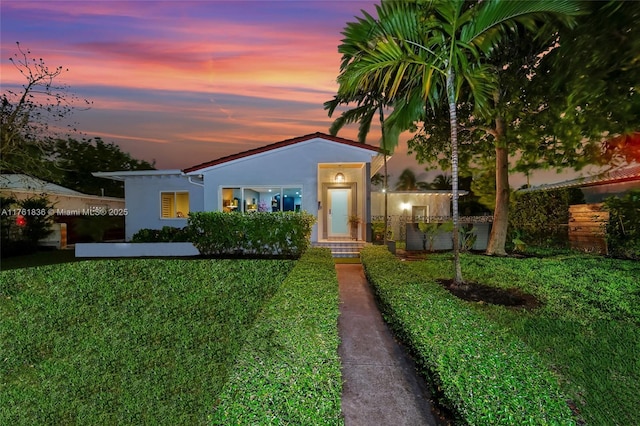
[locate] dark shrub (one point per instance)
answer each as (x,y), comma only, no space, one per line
(541,217)
(623,228)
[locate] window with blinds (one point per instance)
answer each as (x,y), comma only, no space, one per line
(174,205)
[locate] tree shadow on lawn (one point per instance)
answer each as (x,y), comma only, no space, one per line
(480,293)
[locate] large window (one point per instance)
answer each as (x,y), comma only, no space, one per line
(174,205)
(262,198)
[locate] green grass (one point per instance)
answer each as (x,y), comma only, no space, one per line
(479,369)
(288,371)
(586,330)
(141,341)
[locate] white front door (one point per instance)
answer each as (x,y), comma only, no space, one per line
(339,212)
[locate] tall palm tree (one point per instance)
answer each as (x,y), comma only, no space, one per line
(441,181)
(407,181)
(369,100)
(422,53)
(367,104)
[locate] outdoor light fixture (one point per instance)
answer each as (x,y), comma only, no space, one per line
(339,177)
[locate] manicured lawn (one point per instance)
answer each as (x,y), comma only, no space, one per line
(587,329)
(139,341)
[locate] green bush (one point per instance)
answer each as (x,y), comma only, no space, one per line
(167,234)
(19,239)
(38,217)
(623,228)
(288,372)
(541,217)
(483,373)
(256,233)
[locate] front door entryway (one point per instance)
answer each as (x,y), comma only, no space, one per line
(339,212)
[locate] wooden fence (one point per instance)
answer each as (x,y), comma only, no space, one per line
(587,228)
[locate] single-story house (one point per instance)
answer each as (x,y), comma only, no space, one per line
(325,175)
(64,200)
(586,227)
(597,188)
(68,205)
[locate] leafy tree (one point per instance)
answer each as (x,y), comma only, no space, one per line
(564,96)
(26,114)
(74,162)
(595,77)
(624,149)
(422,53)
(489,140)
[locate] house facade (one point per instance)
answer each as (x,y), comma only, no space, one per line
(324,175)
(69,207)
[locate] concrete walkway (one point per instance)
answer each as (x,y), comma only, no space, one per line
(380,384)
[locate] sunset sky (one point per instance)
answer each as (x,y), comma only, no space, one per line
(184,82)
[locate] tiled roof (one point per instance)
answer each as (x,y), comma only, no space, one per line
(622,174)
(281,144)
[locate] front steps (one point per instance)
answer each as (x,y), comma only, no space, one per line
(349,248)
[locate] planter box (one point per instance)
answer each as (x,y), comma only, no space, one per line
(135,249)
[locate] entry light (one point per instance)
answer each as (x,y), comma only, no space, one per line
(339,177)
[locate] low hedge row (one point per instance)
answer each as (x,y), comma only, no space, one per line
(288,371)
(167,234)
(484,374)
(257,233)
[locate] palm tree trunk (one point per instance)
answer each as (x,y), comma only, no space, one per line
(453,120)
(498,237)
(384,188)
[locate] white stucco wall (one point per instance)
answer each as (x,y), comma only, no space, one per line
(142,200)
(402,203)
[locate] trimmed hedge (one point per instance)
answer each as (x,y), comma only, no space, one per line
(256,233)
(540,217)
(288,371)
(167,234)
(485,375)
